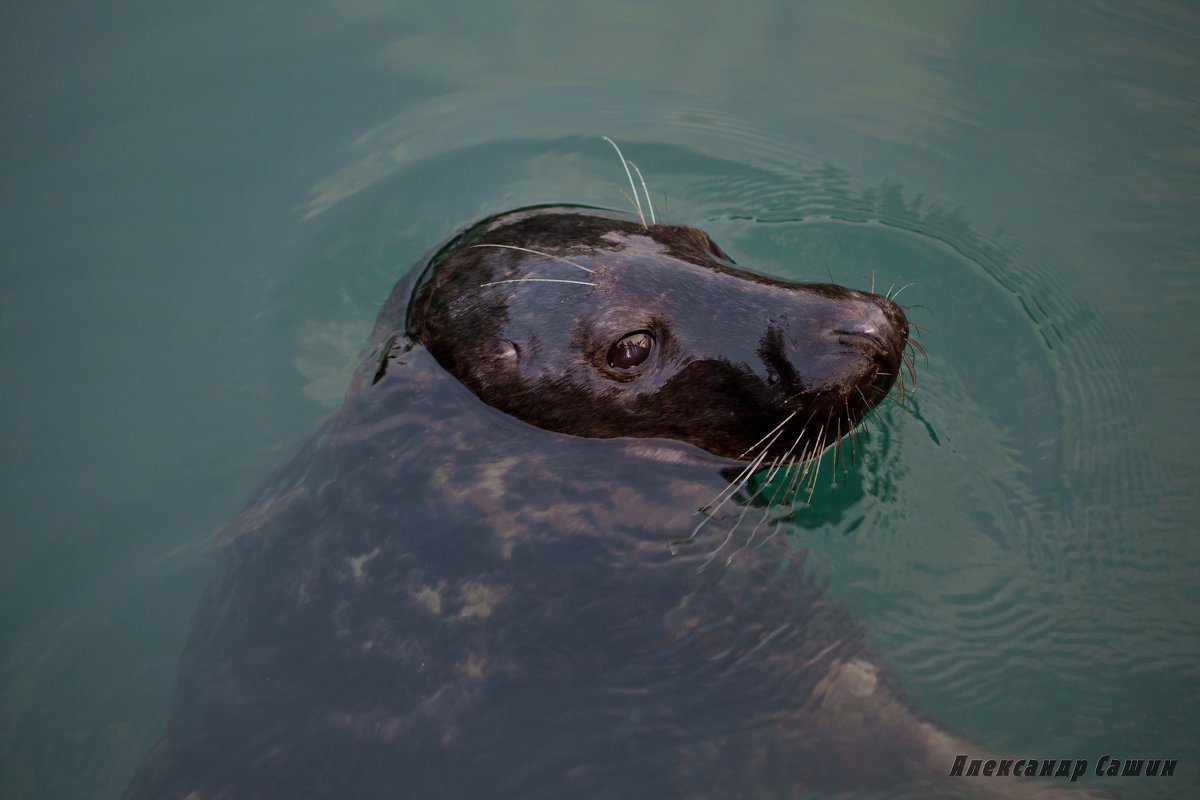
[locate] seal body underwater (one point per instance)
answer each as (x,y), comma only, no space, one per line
(484,577)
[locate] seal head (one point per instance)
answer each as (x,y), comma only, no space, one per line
(591,324)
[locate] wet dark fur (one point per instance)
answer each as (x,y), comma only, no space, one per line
(439,599)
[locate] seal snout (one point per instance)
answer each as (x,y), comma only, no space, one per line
(877,328)
(664,343)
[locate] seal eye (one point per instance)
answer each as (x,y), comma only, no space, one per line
(631,350)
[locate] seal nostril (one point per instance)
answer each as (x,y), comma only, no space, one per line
(868,332)
(869,344)
(878,321)
(868,329)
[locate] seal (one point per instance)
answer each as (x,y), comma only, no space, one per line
(483,577)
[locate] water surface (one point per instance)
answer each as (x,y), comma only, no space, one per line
(203,208)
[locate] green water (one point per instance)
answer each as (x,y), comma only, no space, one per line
(202,207)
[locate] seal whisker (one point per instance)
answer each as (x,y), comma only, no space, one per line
(742,516)
(862,430)
(866,421)
(812,483)
(736,485)
(851,456)
(751,448)
(645,191)
(729,491)
(837,450)
(900,380)
(853,444)
(536,253)
(766,514)
(773,534)
(792,474)
(746,510)
(901,289)
(806,460)
(839,460)
(535,280)
(912,370)
(628,197)
(801,460)
(636,203)
(787,455)
(789,493)
(804,463)
(849,435)
(741,477)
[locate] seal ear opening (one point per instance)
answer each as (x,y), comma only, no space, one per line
(379,363)
(395,346)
